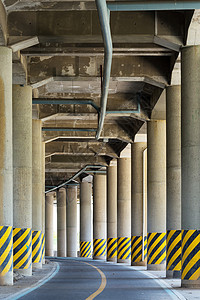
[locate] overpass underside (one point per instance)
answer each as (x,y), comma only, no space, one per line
(80,83)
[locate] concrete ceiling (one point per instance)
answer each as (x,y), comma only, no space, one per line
(58,50)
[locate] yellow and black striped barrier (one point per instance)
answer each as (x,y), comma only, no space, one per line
(86,249)
(145,247)
(174,251)
(190,255)
(111,248)
(36,247)
(99,247)
(156,248)
(22,250)
(136,248)
(6,250)
(43,246)
(123,248)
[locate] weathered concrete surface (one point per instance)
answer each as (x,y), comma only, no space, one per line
(72,231)
(49,251)
(37,185)
(61,223)
(22,160)
(6,157)
(86,212)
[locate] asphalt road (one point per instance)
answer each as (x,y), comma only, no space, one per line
(80,279)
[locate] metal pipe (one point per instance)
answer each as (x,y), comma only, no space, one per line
(75,176)
(105,29)
(154,5)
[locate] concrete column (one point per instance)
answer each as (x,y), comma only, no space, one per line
(124,210)
(6,166)
(49,224)
(138,205)
(36,194)
(43,203)
(173,115)
(61,223)
(72,221)
(112,213)
(190,156)
(22,179)
(156,194)
(86,219)
(99,217)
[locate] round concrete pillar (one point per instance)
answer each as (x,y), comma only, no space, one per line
(138,206)
(6,165)
(99,217)
(173,115)
(43,203)
(22,179)
(36,194)
(61,223)
(190,159)
(72,221)
(124,210)
(86,219)
(112,213)
(156,195)
(49,224)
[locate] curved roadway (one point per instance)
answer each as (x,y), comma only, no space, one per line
(80,279)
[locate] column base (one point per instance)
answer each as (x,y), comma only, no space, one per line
(192,284)
(114,259)
(61,254)
(139,264)
(43,261)
(24,272)
(161,267)
(72,254)
(173,274)
(37,265)
(124,261)
(99,257)
(49,253)
(7,279)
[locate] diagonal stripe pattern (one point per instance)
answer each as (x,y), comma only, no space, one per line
(145,247)
(43,245)
(123,248)
(156,248)
(22,248)
(111,247)
(190,254)
(86,249)
(174,250)
(6,249)
(36,246)
(99,247)
(136,248)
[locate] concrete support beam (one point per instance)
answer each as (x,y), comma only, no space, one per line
(124,210)
(86,219)
(138,205)
(49,224)
(61,223)
(173,115)
(22,179)
(6,165)
(36,194)
(156,195)
(99,217)
(190,139)
(72,221)
(112,213)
